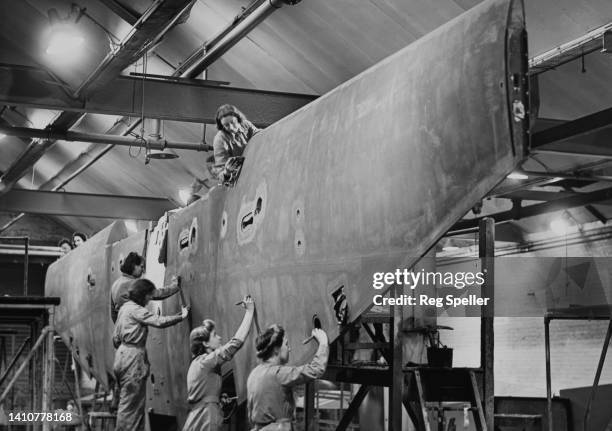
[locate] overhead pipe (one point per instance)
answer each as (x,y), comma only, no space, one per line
(97,157)
(196,55)
(133,45)
(213,51)
(160,13)
(98,138)
(157,125)
(190,68)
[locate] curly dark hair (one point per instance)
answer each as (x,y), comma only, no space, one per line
(200,335)
(267,342)
(224,111)
(80,235)
(139,290)
(132,259)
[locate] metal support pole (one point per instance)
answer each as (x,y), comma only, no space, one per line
(32,383)
(548,378)
(486,247)
(48,370)
(26,263)
(77,383)
(22,367)
(220,44)
(602,359)
(397,379)
(98,138)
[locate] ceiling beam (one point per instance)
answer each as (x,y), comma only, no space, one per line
(77,166)
(150,27)
(229,37)
(536,195)
(84,205)
(519,212)
(569,51)
(573,129)
(186,100)
(590,208)
(125,13)
(578,176)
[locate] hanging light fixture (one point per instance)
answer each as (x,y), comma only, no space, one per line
(164,154)
(64,41)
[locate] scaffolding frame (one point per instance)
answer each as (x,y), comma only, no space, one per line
(600,312)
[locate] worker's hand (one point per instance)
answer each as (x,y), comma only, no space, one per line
(232,163)
(320,336)
(248,303)
(185,312)
(175,281)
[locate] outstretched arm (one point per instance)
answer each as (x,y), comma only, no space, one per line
(166,291)
(227,351)
(145,317)
(292,376)
(245,326)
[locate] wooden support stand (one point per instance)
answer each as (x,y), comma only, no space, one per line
(309,407)
(395,391)
(418,389)
(48,369)
(430,388)
(576,313)
(486,252)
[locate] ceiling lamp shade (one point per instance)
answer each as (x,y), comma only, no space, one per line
(165,154)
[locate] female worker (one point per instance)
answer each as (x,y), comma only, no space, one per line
(270,400)
(132,269)
(78,238)
(131,366)
(204,375)
(234,131)
(65,246)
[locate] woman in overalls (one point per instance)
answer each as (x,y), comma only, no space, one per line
(131,365)
(270,400)
(204,375)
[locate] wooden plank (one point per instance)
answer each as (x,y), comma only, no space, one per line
(48,370)
(481,420)
(353,408)
(395,391)
(364,346)
(421,400)
(309,407)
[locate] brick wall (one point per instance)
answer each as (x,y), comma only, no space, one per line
(519,343)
